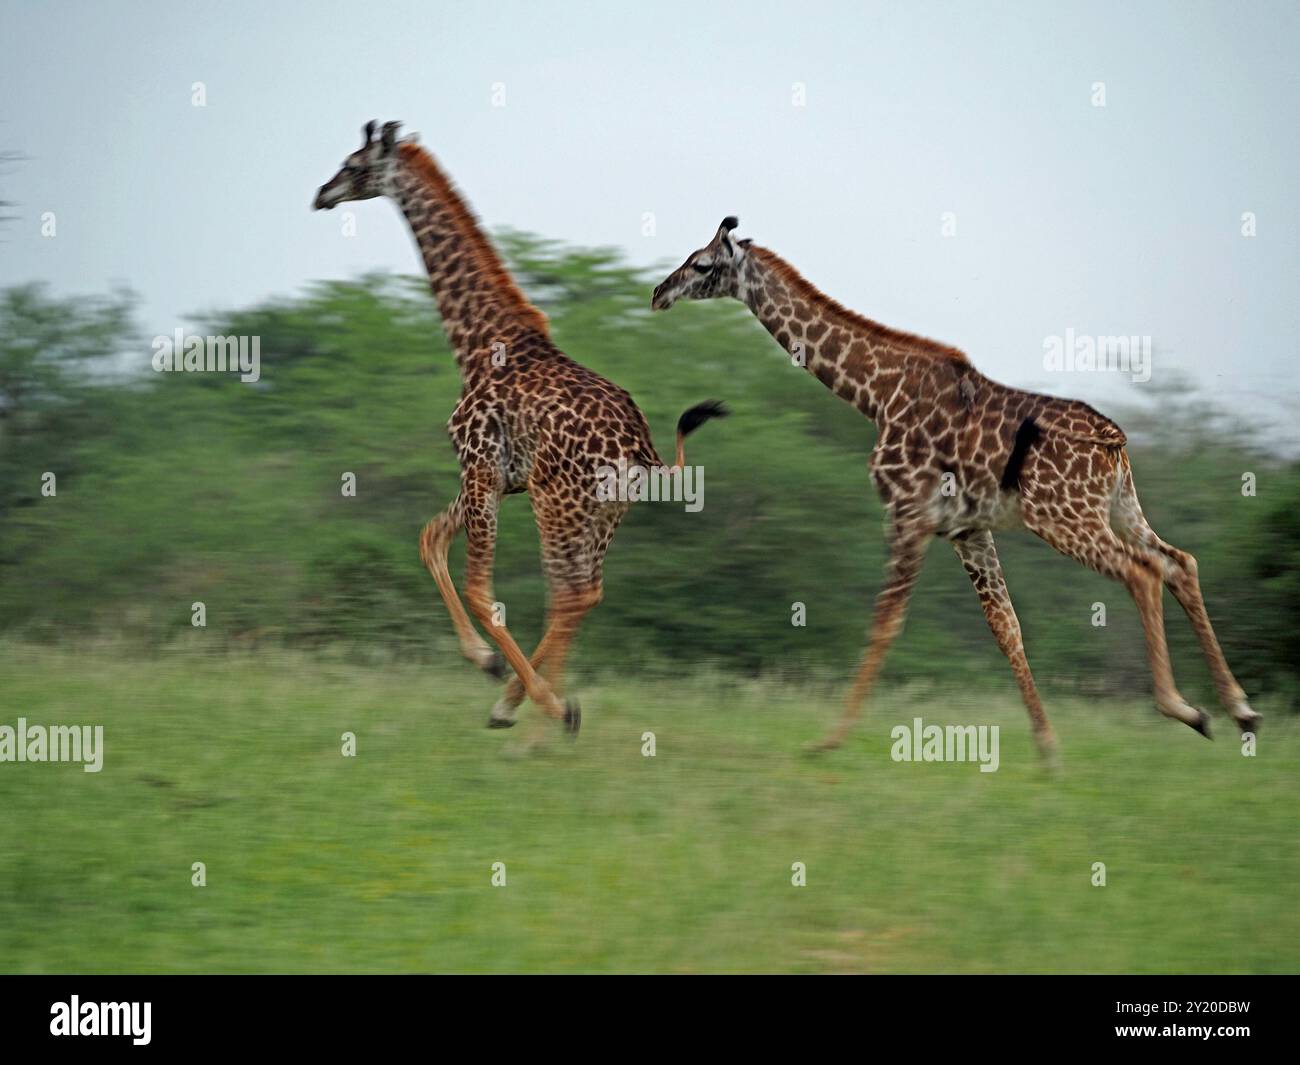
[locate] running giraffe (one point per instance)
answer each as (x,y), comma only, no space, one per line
(958,455)
(529,420)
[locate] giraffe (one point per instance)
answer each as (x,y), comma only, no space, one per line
(529,419)
(959,456)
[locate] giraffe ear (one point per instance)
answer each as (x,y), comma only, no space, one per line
(389,135)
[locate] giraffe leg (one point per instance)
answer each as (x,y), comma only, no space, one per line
(568,607)
(579,585)
(547,659)
(907,552)
(1180,576)
(576,582)
(979,556)
(479,501)
(434,542)
(1186,586)
(1090,539)
(506,708)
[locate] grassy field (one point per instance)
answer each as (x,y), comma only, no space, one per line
(615,861)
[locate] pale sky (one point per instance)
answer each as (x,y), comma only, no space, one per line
(1122,219)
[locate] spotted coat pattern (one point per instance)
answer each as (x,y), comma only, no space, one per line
(529,419)
(958,456)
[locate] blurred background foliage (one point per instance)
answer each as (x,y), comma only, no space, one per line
(176,488)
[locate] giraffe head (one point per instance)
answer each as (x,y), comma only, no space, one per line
(366,173)
(706,274)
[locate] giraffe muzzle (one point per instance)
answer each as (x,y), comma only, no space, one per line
(660,300)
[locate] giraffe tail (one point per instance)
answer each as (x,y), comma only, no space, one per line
(1026,435)
(692,419)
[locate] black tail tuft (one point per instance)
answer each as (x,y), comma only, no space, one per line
(699,414)
(1026,435)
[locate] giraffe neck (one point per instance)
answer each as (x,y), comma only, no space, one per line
(480,304)
(863,362)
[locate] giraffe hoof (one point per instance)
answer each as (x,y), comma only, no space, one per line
(1249,723)
(572,717)
(500,722)
(495,666)
(1203,725)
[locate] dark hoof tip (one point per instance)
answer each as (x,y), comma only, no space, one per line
(495,666)
(499,722)
(1251,724)
(1203,725)
(572,717)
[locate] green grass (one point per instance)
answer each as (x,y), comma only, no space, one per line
(617,862)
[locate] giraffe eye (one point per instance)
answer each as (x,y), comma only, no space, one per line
(703,268)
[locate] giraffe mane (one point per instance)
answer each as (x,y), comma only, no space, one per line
(487,262)
(910,341)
